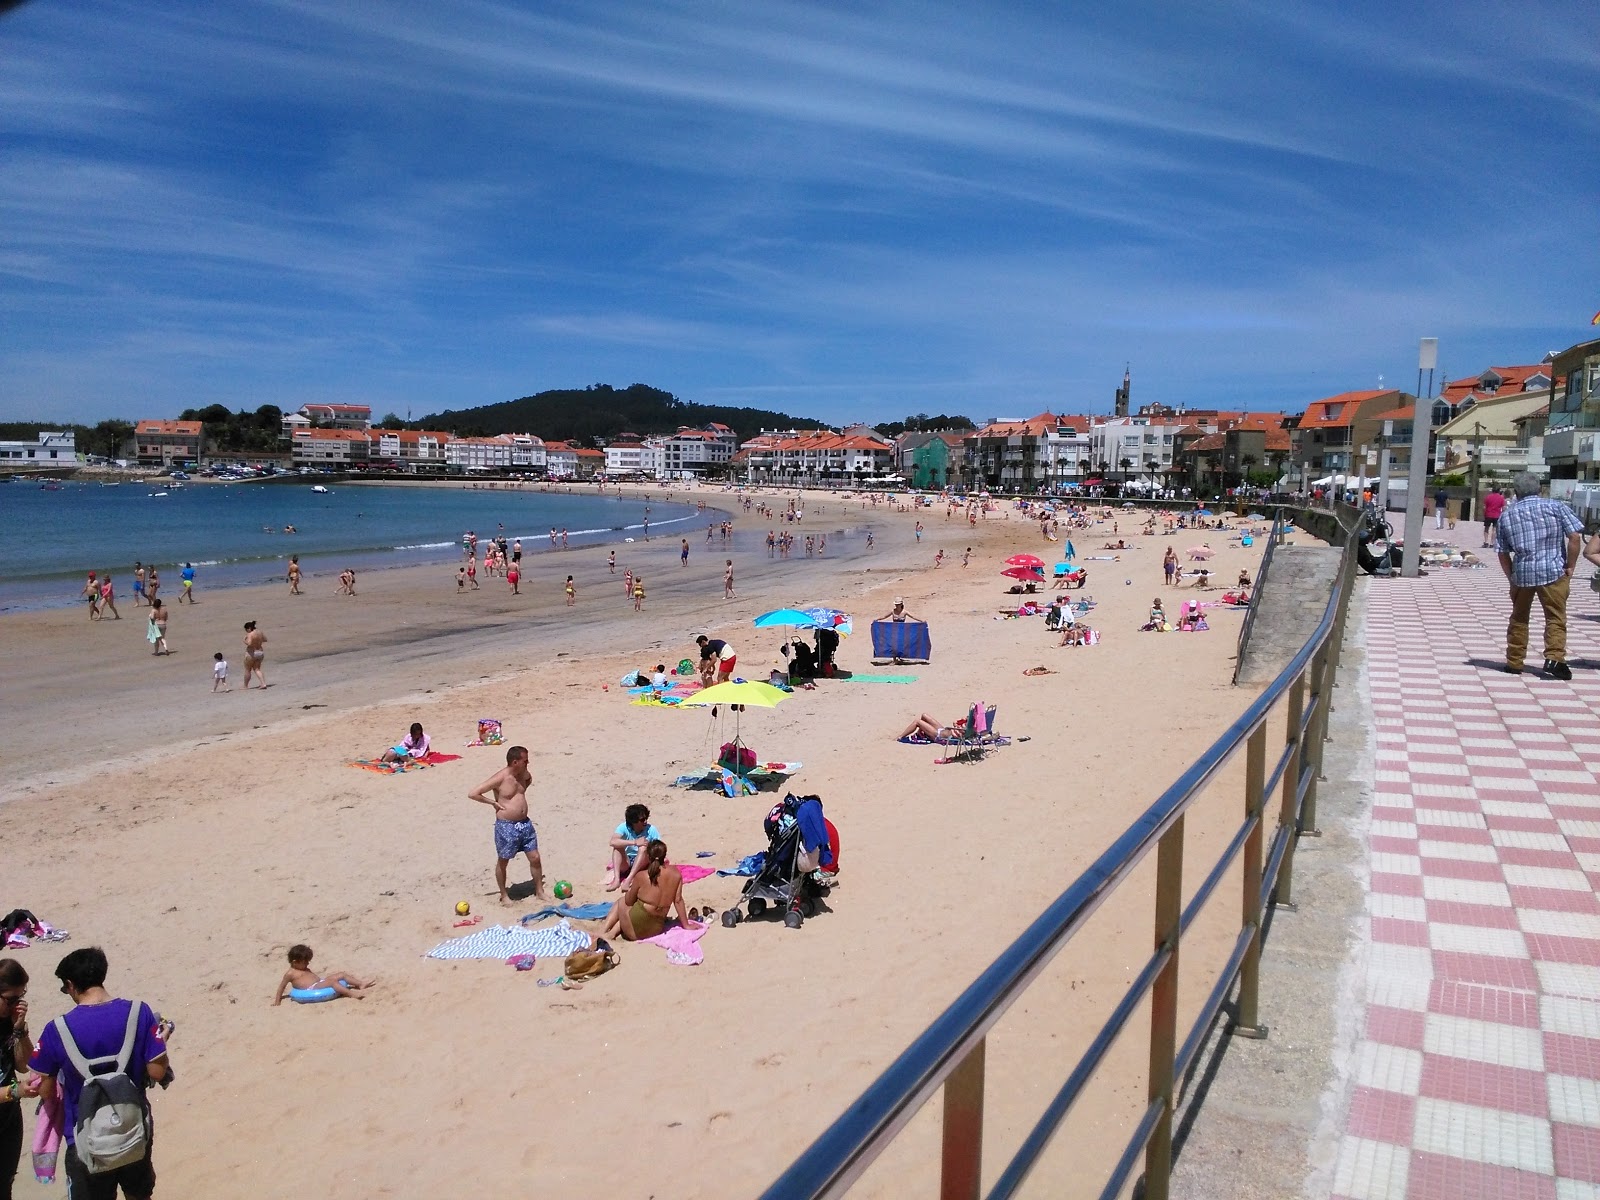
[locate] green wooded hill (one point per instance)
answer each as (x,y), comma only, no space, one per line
(602,411)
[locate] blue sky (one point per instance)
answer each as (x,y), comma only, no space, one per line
(840,211)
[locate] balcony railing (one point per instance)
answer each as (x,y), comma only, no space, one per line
(949,1056)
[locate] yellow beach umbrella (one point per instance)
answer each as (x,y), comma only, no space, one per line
(762,695)
(738,694)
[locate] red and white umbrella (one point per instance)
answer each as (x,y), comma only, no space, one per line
(1026,574)
(1025,560)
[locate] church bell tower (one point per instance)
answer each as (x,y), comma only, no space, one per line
(1122,392)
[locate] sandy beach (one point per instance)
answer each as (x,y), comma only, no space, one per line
(196,836)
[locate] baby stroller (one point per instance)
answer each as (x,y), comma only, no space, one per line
(780,884)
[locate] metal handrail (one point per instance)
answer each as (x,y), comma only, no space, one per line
(950,1052)
(1273,539)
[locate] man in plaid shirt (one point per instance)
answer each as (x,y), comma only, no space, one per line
(1538,543)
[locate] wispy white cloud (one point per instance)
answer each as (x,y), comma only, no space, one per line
(842,206)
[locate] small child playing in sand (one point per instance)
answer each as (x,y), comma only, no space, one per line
(572,592)
(219,673)
(302,977)
(638,593)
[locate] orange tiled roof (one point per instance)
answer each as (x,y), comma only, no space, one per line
(330,435)
(1512,379)
(1344,406)
(167,429)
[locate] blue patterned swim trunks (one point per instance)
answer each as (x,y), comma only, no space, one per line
(512,838)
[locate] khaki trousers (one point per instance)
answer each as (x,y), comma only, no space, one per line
(1553,600)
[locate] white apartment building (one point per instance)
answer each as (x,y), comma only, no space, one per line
(528,452)
(337,449)
(625,458)
(696,451)
(1145,443)
(560,460)
(479,454)
(409,447)
(47,448)
(338,416)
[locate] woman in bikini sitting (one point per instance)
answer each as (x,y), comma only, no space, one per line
(652,895)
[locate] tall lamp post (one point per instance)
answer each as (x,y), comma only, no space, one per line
(1417,480)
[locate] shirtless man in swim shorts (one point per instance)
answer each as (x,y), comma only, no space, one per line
(255,652)
(506,791)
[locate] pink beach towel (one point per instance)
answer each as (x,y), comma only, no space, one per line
(682,944)
(47,1134)
(691,872)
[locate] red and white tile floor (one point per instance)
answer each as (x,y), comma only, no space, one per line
(1477,1069)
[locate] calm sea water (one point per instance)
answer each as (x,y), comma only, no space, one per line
(49,540)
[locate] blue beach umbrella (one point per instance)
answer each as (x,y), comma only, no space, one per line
(784,616)
(827,618)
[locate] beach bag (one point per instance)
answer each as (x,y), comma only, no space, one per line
(489,732)
(586,964)
(747,756)
(111,1131)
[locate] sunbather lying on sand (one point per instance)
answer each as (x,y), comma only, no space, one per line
(928,728)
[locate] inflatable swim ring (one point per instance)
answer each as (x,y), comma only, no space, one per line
(311,995)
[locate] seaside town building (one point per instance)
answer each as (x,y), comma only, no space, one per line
(330,449)
(626,454)
(408,448)
(1458,395)
(1040,453)
(1249,443)
(162,443)
(1487,432)
(1571,447)
(928,458)
(528,453)
(45,449)
(1330,434)
(338,416)
(698,452)
(560,460)
(477,455)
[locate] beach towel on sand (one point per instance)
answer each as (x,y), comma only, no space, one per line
(917,739)
(598,911)
(400,767)
(682,944)
(506,941)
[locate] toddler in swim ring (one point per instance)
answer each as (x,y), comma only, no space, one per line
(301,977)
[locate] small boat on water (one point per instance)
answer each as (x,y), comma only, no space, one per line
(319,489)
(157,495)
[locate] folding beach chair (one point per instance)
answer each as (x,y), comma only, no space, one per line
(971,737)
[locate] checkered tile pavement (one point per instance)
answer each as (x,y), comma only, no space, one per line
(1477,1072)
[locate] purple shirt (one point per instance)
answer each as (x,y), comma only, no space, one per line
(98,1030)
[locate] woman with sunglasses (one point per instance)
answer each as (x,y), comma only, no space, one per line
(16,1047)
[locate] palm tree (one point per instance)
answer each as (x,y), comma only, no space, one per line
(1125,463)
(1084,467)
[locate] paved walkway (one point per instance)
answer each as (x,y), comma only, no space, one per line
(1477,1074)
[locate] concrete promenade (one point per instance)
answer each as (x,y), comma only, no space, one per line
(1476,1067)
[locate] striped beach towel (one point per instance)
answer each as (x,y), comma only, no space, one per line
(504,941)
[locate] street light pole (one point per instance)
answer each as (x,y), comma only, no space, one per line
(1417,480)
(1476,468)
